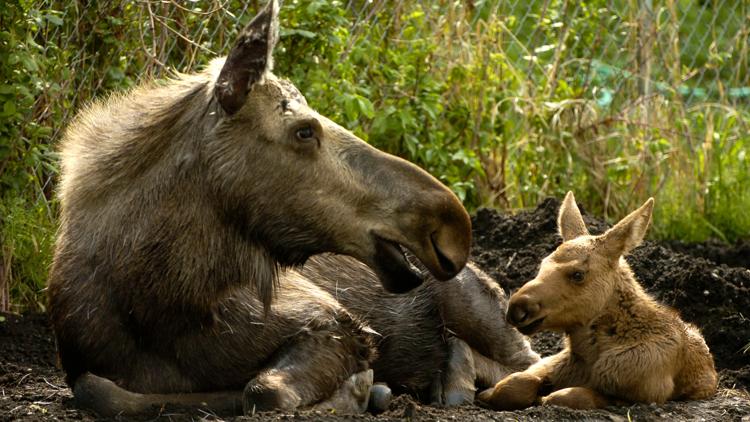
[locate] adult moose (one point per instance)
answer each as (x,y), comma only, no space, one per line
(621,344)
(186,209)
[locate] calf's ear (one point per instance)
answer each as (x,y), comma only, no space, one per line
(569,219)
(629,232)
(250,59)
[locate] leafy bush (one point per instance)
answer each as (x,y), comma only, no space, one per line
(27,160)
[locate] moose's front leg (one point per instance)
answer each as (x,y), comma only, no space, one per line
(460,374)
(312,366)
(352,397)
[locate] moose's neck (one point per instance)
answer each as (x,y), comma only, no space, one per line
(134,146)
(134,172)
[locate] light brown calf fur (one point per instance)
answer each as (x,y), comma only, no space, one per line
(621,345)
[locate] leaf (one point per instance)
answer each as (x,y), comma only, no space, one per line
(366,107)
(350,107)
(54,20)
(24,92)
(116,73)
(9,108)
(300,32)
(29,63)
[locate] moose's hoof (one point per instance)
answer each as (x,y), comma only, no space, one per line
(352,397)
(516,391)
(105,397)
(260,397)
(380,398)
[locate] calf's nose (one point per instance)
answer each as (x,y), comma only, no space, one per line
(521,309)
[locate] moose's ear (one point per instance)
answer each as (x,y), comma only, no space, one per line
(629,232)
(250,58)
(569,220)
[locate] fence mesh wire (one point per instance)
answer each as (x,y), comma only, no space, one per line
(690,50)
(618,54)
(615,53)
(686,50)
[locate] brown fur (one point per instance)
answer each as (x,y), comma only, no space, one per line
(186,210)
(621,345)
(429,339)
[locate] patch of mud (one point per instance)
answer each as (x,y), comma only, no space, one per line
(714,296)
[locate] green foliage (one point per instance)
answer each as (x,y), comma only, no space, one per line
(30,233)
(27,160)
(505,102)
(396,104)
(503,106)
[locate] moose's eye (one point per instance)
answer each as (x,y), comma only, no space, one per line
(577,276)
(305,133)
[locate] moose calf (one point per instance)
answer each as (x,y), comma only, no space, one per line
(621,345)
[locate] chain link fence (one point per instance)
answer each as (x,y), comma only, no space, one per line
(688,50)
(619,55)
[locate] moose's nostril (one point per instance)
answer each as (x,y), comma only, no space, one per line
(445,263)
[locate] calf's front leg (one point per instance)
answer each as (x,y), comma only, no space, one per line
(516,391)
(577,398)
(523,389)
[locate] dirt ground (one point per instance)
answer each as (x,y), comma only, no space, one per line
(708,283)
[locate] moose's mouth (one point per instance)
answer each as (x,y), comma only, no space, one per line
(531,327)
(392,267)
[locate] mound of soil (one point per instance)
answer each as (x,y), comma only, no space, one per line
(737,255)
(695,279)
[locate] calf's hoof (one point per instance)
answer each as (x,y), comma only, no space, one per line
(516,391)
(576,398)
